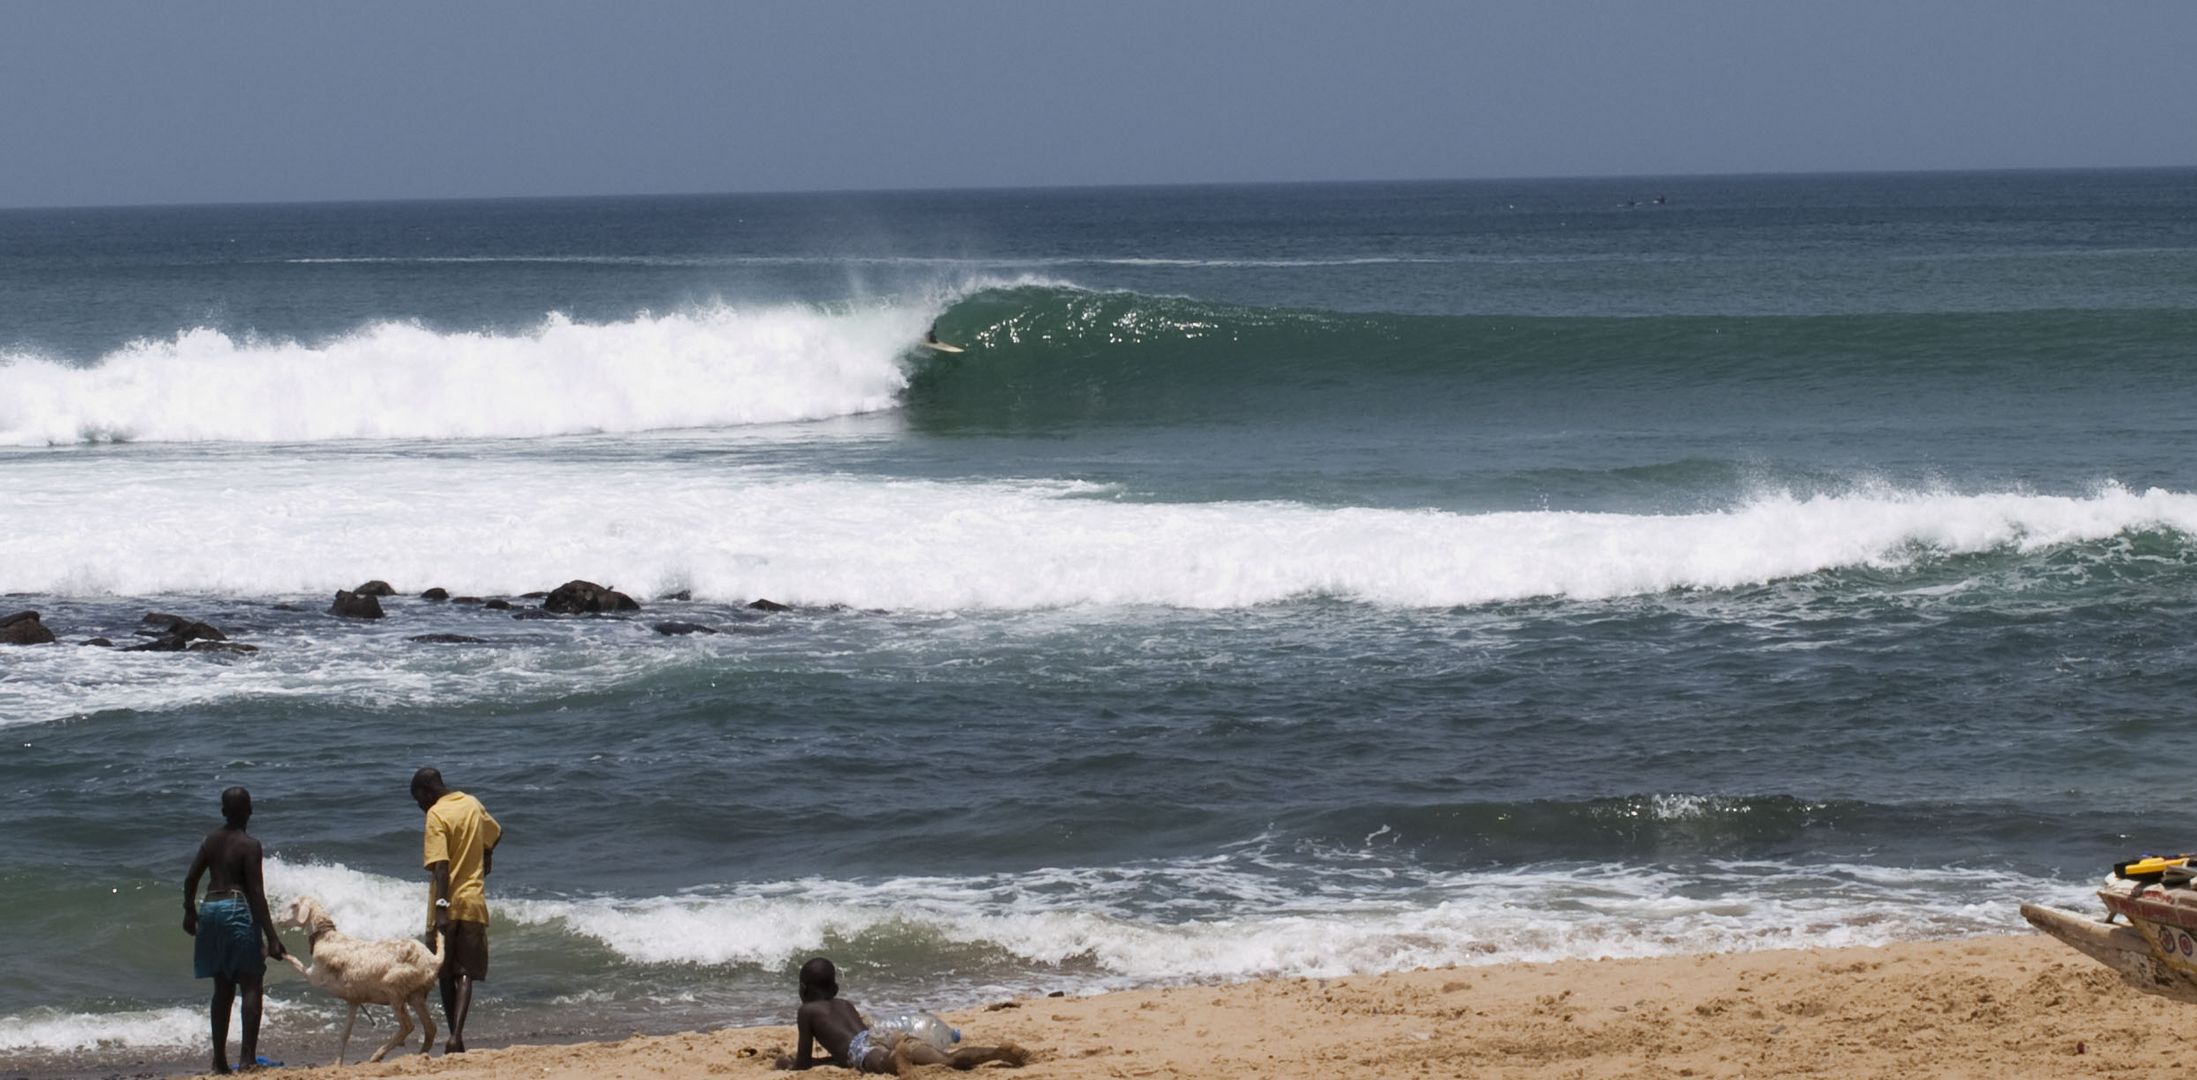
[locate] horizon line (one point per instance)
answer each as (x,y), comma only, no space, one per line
(1155,186)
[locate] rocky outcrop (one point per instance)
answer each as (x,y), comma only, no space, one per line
(769,605)
(99,641)
(223,647)
(436,593)
(498,604)
(681,595)
(447,639)
(23,628)
(534,613)
(351,605)
(376,588)
(177,626)
(586,598)
(681,629)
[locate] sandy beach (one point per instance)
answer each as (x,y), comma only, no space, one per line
(1984,1007)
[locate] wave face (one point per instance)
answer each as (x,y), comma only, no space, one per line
(715,367)
(1055,357)
(1049,356)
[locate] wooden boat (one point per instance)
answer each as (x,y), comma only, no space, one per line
(2156,950)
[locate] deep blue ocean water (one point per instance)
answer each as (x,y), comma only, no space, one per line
(1285,580)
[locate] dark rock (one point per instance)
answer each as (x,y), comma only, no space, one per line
(101,642)
(222,647)
(436,593)
(288,607)
(769,605)
(465,599)
(447,639)
(681,595)
(23,628)
(586,598)
(178,626)
(163,643)
(375,588)
(497,605)
(535,613)
(677,629)
(536,595)
(351,605)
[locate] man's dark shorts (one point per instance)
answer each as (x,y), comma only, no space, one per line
(466,951)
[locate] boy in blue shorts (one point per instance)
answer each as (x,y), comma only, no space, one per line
(229,924)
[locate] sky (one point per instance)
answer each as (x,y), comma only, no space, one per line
(249,100)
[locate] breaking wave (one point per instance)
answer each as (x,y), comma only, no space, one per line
(716,367)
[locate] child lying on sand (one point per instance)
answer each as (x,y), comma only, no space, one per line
(848,1040)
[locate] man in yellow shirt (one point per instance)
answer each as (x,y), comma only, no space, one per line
(460,848)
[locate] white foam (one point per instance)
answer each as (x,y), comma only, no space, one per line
(58,1032)
(276,524)
(363,905)
(178,1027)
(1217,918)
(709,367)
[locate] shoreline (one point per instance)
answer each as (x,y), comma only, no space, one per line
(2017,1005)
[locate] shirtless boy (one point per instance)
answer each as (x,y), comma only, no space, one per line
(229,924)
(846,1037)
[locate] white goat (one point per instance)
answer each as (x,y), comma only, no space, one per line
(396,972)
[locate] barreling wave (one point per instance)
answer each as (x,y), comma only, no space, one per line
(712,367)
(1043,355)
(1051,357)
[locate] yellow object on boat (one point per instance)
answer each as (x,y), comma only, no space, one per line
(2149,866)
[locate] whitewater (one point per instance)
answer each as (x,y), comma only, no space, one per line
(717,367)
(511,523)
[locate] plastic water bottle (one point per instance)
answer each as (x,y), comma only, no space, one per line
(919,1025)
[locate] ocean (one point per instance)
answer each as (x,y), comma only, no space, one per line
(1286,580)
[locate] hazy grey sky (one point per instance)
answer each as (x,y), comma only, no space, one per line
(106,102)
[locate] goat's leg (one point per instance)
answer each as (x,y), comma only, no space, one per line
(345,1042)
(404,1031)
(427,1020)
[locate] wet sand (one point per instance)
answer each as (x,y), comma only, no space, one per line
(1985,1007)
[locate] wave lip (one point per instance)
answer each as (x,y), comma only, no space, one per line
(711,367)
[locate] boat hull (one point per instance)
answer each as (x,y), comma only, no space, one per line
(2156,951)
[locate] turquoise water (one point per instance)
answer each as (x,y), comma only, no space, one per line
(1286,580)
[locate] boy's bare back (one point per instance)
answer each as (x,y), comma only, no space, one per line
(230,858)
(833,1024)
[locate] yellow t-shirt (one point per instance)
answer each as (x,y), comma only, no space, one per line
(460,831)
